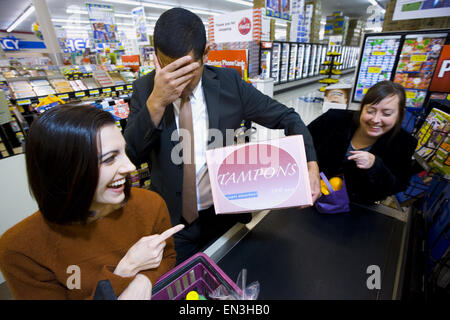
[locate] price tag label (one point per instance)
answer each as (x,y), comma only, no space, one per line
(419,58)
(119,88)
(63,96)
(410,94)
(93,92)
(129,86)
(379,53)
(374,70)
(23,102)
(106,90)
(80,94)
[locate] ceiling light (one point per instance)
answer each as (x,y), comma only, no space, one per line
(76,11)
(245,3)
(373,2)
(21,18)
(70,20)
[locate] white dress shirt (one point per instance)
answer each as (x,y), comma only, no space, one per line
(200,124)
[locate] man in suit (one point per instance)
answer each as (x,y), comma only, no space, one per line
(183,95)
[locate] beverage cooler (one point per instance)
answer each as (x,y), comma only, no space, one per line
(290,61)
(285,51)
(408,58)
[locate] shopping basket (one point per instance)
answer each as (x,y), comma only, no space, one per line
(197,273)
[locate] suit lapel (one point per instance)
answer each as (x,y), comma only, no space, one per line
(211,90)
(170,125)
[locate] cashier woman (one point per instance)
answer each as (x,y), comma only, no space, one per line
(368,148)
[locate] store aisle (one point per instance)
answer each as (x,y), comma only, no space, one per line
(307,100)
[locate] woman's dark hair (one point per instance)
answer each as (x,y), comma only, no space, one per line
(380,91)
(177,32)
(62,159)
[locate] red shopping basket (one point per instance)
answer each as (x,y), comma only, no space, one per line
(197,273)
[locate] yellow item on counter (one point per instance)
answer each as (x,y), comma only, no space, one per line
(336,183)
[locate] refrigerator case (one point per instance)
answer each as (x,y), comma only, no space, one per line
(418,59)
(284,70)
(306,58)
(293,61)
(318,59)
(312,62)
(266,58)
(377,62)
(276,55)
(299,66)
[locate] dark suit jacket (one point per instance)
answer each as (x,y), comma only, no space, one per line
(391,172)
(229,100)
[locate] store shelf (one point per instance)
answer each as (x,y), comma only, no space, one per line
(118,89)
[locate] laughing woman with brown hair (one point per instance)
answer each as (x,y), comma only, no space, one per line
(91,226)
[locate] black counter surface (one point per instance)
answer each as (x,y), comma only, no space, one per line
(302,254)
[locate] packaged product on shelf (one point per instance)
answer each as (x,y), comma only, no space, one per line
(441,159)
(103,78)
(61,85)
(39,83)
(128,76)
(117,79)
(432,133)
(44,90)
(89,83)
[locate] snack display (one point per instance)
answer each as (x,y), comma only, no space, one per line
(377,62)
(22,89)
(103,78)
(61,85)
(418,59)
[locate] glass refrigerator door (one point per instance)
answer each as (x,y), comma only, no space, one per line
(418,59)
(376,62)
(293,61)
(284,62)
(275,71)
(312,62)
(265,63)
(318,59)
(299,68)
(306,60)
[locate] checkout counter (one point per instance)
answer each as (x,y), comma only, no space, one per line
(302,254)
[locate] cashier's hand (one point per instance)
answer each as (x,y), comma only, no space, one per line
(170,81)
(145,254)
(363,159)
(314,181)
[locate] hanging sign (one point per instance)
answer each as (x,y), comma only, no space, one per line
(102,21)
(139,23)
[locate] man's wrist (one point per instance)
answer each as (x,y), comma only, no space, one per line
(125,269)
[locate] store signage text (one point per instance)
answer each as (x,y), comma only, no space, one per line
(74,45)
(16,44)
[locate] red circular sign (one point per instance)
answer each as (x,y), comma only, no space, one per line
(244,26)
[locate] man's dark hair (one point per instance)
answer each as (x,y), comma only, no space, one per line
(62,160)
(177,32)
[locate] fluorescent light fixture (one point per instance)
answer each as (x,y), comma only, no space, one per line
(76,11)
(70,20)
(373,2)
(124,24)
(245,3)
(21,18)
(76,27)
(122,15)
(200,11)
